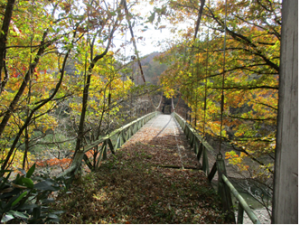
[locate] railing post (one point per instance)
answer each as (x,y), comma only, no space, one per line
(104,156)
(199,153)
(224,191)
(111,146)
(205,162)
(212,172)
(87,162)
(240,214)
(196,147)
(118,143)
(122,138)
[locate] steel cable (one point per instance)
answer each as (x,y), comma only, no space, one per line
(223,78)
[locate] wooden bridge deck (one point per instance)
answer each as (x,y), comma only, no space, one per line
(153,178)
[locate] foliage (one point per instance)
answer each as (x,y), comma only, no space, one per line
(41,102)
(18,158)
(251,76)
(26,198)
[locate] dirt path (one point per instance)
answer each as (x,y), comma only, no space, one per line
(153,178)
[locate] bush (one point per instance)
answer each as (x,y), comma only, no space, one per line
(27,199)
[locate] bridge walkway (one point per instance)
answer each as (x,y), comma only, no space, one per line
(168,144)
(153,178)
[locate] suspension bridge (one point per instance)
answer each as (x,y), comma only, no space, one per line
(164,146)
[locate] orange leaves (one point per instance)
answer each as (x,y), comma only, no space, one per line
(237,160)
(214,127)
(64,163)
(55,162)
(238,133)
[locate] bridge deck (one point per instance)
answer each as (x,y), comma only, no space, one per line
(153,178)
(168,145)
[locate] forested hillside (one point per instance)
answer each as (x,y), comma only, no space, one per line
(152,69)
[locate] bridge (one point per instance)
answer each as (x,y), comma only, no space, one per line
(165,163)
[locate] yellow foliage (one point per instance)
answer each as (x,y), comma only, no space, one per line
(17,158)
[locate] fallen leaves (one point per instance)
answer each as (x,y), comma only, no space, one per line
(133,187)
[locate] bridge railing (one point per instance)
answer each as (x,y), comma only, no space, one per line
(225,187)
(111,142)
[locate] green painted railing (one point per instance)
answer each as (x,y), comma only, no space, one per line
(112,141)
(225,187)
(118,137)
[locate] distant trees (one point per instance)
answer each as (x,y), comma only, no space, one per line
(152,68)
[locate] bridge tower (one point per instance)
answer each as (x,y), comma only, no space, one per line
(285,196)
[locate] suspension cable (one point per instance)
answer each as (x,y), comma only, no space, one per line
(161,97)
(223,77)
(197,69)
(177,102)
(205,92)
(124,65)
(173,108)
(206,74)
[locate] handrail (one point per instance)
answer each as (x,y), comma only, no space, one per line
(192,130)
(123,134)
(225,187)
(109,136)
(241,200)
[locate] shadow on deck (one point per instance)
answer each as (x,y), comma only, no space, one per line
(145,182)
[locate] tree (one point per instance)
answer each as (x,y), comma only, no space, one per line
(251,76)
(37,43)
(28,44)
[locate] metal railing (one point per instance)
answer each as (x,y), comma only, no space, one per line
(225,187)
(118,137)
(112,141)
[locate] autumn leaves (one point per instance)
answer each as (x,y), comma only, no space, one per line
(251,76)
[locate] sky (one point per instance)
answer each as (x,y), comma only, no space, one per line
(153,40)
(148,44)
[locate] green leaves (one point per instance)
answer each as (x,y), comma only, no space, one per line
(30,171)
(151,17)
(19,198)
(27,182)
(66,39)
(24,201)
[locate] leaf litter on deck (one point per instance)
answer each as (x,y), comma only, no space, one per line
(136,185)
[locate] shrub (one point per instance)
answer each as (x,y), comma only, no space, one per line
(27,199)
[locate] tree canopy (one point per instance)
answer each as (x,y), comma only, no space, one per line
(250,65)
